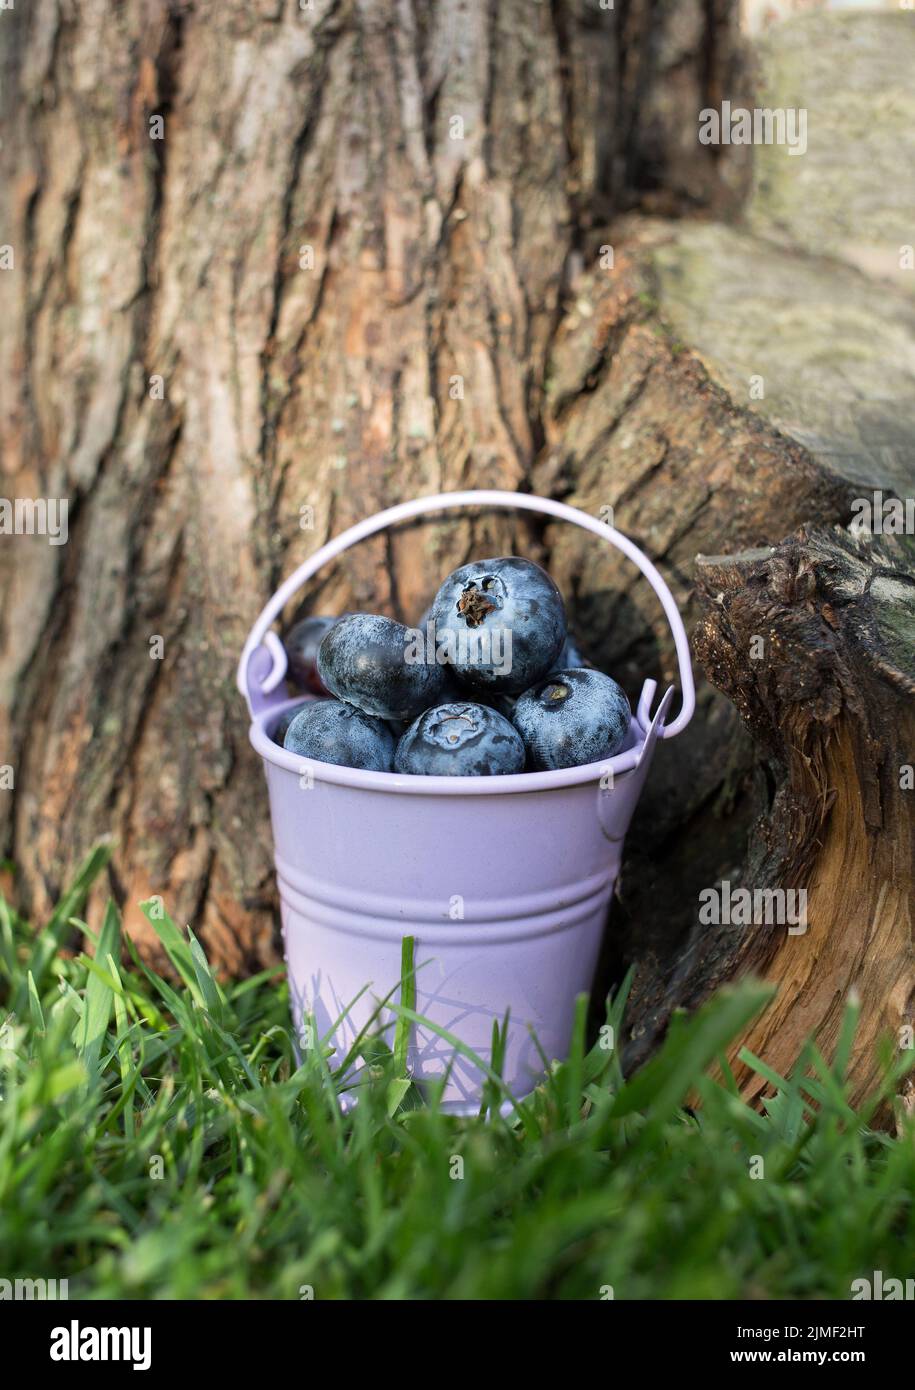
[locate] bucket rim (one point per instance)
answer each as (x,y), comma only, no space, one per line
(412,783)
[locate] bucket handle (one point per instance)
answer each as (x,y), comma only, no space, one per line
(263,660)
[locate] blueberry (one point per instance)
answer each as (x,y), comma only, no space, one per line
(375,663)
(285,719)
(499,623)
(570,655)
(460,740)
(504,704)
(301,643)
(332,732)
(572,717)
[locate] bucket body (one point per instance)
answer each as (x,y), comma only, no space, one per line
(506,897)
(503,882)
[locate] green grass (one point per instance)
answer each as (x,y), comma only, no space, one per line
(159,1139)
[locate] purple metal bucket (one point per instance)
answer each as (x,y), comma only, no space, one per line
(504,882)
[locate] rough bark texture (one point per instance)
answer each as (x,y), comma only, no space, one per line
(364,262)
(828,694)
(813,642)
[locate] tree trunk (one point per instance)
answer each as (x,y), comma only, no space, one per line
(815,642)
(280,265)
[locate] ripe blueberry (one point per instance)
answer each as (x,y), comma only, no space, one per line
(572,717)
(460,740)
(570,655)
(504,704)
(285,719)
(368,661)
(330,731)
(301,643)
(499,623)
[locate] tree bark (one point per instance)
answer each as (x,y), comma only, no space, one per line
(814,641)
(367,259)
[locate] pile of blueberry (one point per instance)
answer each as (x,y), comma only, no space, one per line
(489,683)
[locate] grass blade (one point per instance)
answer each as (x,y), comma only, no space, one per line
(691,1045)
(47,942)
(92,1027)
(400,1083)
